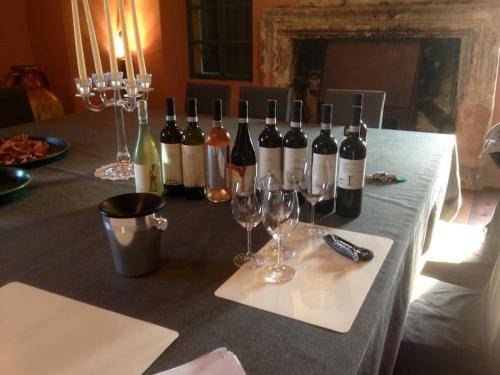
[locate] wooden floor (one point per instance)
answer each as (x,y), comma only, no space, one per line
(477,206)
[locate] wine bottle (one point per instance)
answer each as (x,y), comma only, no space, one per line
(146,158)
(218,166)
(295,151)
(171,159)
(363,129)
(324,158)
(193,154)
(243,163)
(270,145)
(352,160)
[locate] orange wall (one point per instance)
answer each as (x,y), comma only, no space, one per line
(14,38)
(40,32)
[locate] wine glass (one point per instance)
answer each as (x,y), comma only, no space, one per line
(246,206)
(280,217)
(314,185)
(272,180)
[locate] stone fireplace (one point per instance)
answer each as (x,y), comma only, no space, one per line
(473,26)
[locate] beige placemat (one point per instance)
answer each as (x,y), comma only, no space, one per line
(328,289)
(44,333)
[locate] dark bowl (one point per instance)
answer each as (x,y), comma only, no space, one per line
(131,205)
(13,183)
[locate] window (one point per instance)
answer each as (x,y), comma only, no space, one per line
(220,39)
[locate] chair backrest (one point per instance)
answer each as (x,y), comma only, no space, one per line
(207,93)
(257,100)
(373,106)
(14,106)
(491,293)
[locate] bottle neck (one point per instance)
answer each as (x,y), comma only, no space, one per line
(295,124)
(270,120)
(192,119)
(217,124)
(354,131)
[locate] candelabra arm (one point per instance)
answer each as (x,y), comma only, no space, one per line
(93,107)
(122,155)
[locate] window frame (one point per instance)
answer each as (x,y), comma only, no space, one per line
(221,42)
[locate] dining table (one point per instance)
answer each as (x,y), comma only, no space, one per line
(53,238)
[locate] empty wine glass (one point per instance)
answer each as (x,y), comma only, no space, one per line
(280,217)
(273,179)
(246,206)
(315,183)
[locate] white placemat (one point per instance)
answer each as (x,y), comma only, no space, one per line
(44,333)
(328,289)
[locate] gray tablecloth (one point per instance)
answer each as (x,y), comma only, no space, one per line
(53,239)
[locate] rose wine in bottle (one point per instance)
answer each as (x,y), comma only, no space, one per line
(171,153)
(295,151)
(218,166)
(352,161)
(324,158)
(270,145)
(146,158)
(193,154)
(243,163)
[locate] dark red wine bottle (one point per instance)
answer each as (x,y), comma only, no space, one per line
(352,161)
(270,145)
(171,153)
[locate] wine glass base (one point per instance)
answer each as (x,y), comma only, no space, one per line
(270,252)
(115,171)
(250,260)
(312,231)
(278,274)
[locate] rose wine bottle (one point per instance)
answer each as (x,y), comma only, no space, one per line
(193,154)
(171,154)
(218,164)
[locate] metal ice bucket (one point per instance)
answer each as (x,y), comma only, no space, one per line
(133,227)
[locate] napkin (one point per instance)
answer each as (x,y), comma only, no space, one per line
(220,361)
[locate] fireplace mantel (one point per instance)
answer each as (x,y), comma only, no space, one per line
(476,25)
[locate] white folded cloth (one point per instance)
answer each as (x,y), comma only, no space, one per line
(220,361)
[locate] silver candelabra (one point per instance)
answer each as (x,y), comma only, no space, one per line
(113,90)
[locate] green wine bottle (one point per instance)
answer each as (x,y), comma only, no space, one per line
(193,154)
(147,158)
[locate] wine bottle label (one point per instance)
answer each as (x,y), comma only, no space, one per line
(351,174)
(270,120)
(270,161)
(192,119)
(170,118)
(294,124)
(293,166)
(353,129)
(147,178)
(217,157)
(325,126)
(171,163)
(193,165)
(324,172)
(244,174)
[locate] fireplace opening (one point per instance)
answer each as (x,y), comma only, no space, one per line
(419,76)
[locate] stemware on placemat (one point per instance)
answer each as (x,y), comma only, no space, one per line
(315,182)
(280,217)
(246,206)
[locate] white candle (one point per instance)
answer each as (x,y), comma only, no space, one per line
(128,57)
(93,41)
(80,59)
(140,55)
(113,65)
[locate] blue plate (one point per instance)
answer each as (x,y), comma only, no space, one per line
(13,183)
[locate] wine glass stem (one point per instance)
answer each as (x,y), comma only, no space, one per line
(278,255)
(312,213)
(249,242)
(122,155)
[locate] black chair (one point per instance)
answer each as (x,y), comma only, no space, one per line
(257,100)
(451,329)
(373,106)
(207,93)
(14,106)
